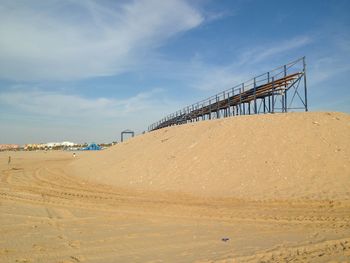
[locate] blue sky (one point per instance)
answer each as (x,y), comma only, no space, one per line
(86,70)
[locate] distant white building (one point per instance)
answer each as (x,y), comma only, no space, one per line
(55,144)
(49,145)
(70,144)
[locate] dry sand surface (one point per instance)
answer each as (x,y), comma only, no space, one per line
(267,188)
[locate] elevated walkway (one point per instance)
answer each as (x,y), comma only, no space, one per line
(267,93)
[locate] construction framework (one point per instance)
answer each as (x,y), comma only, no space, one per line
(126,132)
(282,89)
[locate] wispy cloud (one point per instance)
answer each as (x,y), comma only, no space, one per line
(32,115)
(58,105)
(78,39)
(266,51)
(253,61)
(325,68)
(328,65)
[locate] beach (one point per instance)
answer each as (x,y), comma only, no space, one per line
(266,188)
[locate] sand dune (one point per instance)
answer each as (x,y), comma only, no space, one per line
(296,155)
(267,188)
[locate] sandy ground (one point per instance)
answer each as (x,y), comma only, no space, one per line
(56,208)
(281,156)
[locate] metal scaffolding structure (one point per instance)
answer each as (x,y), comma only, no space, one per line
(132,133)
(282,89)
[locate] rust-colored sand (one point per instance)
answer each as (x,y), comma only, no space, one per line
(267,188)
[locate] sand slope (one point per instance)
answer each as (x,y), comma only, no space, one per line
(132,207)
(280,156)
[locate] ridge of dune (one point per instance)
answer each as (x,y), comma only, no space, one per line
(272,156)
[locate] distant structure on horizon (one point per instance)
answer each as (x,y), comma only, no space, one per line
(132,133)
(9,147)
(92,147)
(55,146)
(49,145)
(280,90)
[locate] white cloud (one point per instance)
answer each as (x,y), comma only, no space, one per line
(32,115)
(64,40)
(251,62)
(325,68)
(55,104)
(264,51)
(216,78)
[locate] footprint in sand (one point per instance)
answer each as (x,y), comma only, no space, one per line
(74,244)
(78,258)
(38,248)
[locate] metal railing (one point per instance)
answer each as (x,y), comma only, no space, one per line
(265,93)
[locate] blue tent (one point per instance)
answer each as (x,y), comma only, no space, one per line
(92,147)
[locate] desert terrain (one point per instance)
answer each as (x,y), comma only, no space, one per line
(263,188)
